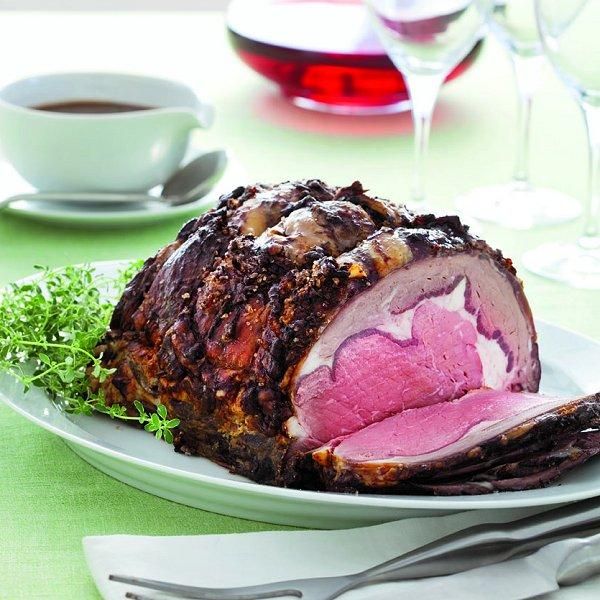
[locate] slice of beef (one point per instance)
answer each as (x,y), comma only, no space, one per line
(448,320)
(294,314)
(487,440)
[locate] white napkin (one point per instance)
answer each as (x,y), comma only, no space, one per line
(253,558)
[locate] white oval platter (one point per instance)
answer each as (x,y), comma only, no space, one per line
(570,367)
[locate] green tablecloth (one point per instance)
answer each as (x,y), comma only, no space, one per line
(50,498)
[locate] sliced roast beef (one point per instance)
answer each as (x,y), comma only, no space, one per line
(487,440)
(297,314)
(426,333)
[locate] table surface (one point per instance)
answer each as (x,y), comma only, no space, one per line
(50,498)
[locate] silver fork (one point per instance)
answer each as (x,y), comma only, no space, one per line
(329,588)
(474,547)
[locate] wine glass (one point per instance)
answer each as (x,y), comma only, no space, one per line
(425,40)
(570,37)
(518,204)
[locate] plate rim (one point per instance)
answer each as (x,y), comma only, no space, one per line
(250,488)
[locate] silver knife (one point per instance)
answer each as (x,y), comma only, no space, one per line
(474,547)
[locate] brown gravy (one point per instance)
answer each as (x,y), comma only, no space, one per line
(88,107)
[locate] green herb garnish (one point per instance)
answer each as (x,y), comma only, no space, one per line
(49,328)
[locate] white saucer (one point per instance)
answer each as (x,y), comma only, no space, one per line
(91,214)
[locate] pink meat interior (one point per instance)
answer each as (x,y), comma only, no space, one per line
(422,431)
(419,337)
(375,374)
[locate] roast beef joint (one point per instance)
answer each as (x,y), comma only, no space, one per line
(317,337)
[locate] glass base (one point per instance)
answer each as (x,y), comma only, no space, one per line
(569,263)
(519,207)
(351,109)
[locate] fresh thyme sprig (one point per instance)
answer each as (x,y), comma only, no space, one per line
(49,328)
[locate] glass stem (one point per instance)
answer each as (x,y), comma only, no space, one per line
(526,70)
(591,228)
(423,91)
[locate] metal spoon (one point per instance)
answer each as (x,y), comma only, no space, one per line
(191,182)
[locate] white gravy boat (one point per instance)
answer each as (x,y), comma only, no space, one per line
(117,151)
